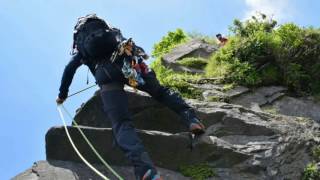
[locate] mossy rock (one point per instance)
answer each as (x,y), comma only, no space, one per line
(192,62)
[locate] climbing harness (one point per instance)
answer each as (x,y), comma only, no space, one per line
(60,107)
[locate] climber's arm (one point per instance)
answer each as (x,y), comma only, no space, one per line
(67,76)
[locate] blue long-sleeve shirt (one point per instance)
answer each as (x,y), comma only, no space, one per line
(69,71)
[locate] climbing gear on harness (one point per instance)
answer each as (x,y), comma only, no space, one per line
(133,66)
(88,142)
(150,175)
(132,75)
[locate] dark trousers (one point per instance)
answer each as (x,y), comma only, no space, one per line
(116,108)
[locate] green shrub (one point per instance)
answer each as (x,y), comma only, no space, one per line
(169,78)
(311,172)
(244,74)
(298,53)
(172,39)
(258,23)
(197,63)
(220,63)
(270,75)
(176,81)
(258,54)
(241,73)
(197,172)
(296,78)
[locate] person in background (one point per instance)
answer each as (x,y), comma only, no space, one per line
(222,40)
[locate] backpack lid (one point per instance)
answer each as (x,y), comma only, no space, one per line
(82,21)
(92,35)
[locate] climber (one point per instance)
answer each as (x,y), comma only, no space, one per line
(103,49)
(222,40)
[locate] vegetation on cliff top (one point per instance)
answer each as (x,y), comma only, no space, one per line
(167,77)
(258,53)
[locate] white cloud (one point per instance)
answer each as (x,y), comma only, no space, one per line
(280,10)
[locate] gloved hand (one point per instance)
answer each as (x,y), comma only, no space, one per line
(59,100)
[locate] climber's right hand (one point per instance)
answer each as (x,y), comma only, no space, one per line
(59,100)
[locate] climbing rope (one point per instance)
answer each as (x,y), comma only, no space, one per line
(82,90)
(88,142)
(76,149)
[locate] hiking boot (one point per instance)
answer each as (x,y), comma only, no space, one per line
(197,128)
(151,175)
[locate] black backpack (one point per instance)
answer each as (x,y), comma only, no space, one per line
(94,38)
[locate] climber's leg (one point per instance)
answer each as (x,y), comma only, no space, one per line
(170,99)
(116,108)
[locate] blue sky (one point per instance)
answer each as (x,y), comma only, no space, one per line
(36,36)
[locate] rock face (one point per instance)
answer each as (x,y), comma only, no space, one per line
(91,113)
(217,92)
(193,48)
(270,98)
(303,107)
(239,143)
(242,141)
(260,96)
(66,170)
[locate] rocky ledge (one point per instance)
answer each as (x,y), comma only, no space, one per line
(239,143)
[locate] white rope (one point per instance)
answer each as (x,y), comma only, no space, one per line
(91,146)
(75,148)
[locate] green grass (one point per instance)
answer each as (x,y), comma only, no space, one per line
(227,87)
(197,63)
(198,171)
(271,110)
(311,172)
(214,99)
(217,69)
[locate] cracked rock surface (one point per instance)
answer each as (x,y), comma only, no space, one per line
(239,143)
(67,170)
